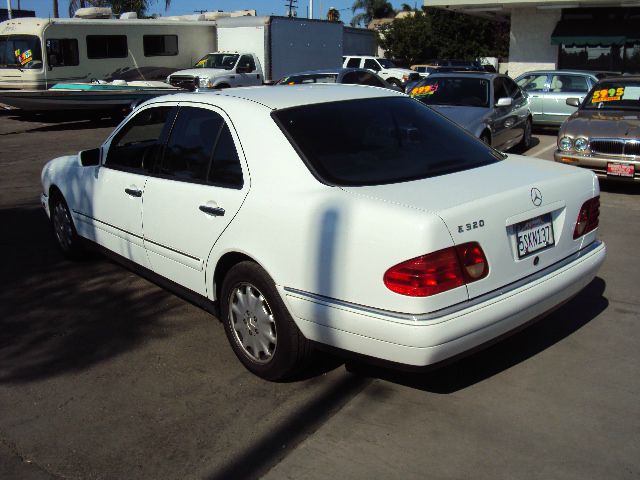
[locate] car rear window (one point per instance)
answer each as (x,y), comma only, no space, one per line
(380,140)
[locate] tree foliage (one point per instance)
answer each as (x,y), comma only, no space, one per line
(438,33)
(372,9)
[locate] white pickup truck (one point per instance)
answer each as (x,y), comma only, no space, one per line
(381,66)
(220,70)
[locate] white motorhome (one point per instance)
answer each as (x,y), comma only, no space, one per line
(36,53)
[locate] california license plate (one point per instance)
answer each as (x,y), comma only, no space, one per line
(534,235)
(620,169)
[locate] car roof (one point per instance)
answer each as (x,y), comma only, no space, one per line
(621,78)
(275,98)
(332,71)
(592,73)
(466,74)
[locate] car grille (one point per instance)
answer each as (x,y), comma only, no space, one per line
(184,81)
(615,146)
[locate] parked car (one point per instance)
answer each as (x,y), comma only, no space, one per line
(353,217)
(549,90)
(489,105)
(357,76)
(603,135)
(381,66)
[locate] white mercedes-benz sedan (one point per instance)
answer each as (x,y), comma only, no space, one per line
(349,216)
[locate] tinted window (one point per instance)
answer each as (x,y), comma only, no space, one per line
(225,168)
(380,140)
(369,79)
(351,78)
(499,89)
(247,61)
(353,63)
(460,91)
(569,83)
(62,52)
(614,95)
(190,146)
(371,64)
(107,46)
(136,146)
(512,89)
(160,45)
(310,78)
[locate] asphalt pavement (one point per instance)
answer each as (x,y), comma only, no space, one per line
(104,375)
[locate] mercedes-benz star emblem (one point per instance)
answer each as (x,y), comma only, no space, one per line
(536,197)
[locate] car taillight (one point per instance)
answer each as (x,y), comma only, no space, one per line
(588,217)
(438,272)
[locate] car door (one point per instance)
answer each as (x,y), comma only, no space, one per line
(519,109)
(502,119)
(110,211)
(197,188)
(535,86)
(561,87)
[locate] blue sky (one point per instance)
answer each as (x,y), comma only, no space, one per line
(44,8)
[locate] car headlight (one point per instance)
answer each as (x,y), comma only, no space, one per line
(203,82)
(581,144)
(565,144)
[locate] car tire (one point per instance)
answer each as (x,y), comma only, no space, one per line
(525,143)
(64,231)
(259,327)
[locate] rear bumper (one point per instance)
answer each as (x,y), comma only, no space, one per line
(598,164)
(429,339)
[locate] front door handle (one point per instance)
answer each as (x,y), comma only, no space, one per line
(215,211)
(133,192)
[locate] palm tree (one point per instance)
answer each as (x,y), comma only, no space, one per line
(372,9)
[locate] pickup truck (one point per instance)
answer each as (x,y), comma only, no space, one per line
(220,70)
(380,66)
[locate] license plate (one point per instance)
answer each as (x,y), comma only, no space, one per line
(620,169)
(534,235)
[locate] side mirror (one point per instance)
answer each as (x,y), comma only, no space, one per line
(90,158)
(504,102)
(573,102)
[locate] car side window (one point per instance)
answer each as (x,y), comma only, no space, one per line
(188,152)
(512,89)
(350,78)
(371,64)
(225,168)
(247,61)
(533,82)
(136,146)
(569,83)
(499,89)
(369,79)
(353,63)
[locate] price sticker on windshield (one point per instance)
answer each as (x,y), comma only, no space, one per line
(424,90)
(24,57)
(607,95)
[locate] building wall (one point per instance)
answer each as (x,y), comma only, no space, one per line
(530,40)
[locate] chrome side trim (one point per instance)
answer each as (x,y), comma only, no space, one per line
(454,308)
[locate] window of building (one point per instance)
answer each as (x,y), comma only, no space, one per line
(136,146)
(160,45)
(62,52)
(107,46)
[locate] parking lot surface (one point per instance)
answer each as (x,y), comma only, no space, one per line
(105,375)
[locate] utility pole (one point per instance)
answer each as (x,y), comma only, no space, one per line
(9,9)
(311,9)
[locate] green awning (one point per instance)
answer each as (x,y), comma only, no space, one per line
(591,32)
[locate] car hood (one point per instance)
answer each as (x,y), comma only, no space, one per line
(202,72)
(599,123)
(470,118)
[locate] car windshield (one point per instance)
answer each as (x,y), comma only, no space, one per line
(614,95)
(459,91)
(20,51)
(384,63)
(379,141)
(309,78)
(224,61)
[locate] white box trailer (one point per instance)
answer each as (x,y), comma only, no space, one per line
(283,45)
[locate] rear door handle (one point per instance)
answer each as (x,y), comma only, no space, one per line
(215,211)
(133,192)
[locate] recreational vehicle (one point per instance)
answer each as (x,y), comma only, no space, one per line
(36,53)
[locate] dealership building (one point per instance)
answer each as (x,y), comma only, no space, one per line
(587,35)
